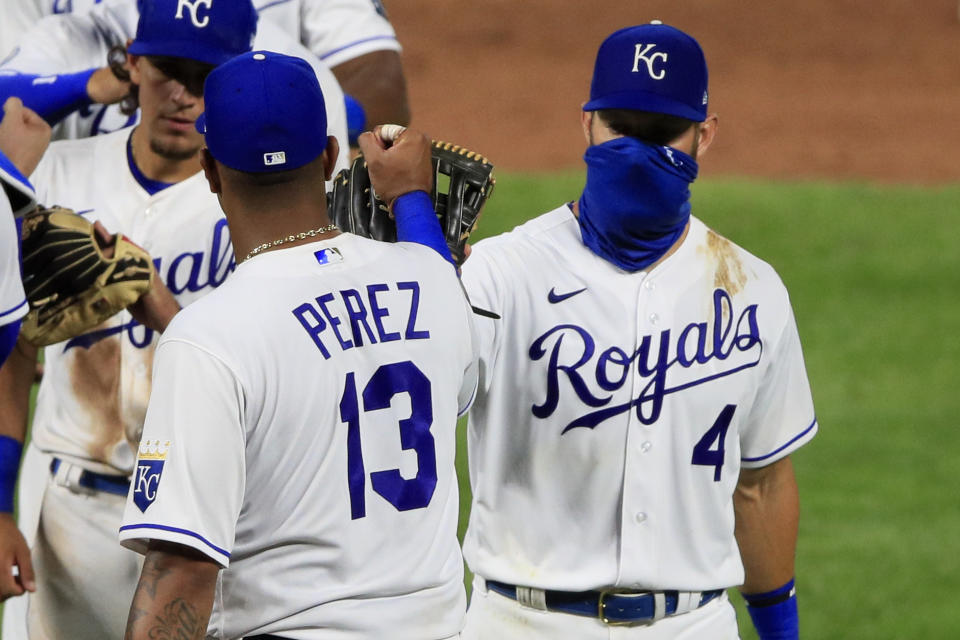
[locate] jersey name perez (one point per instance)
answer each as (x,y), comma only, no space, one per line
(346,318)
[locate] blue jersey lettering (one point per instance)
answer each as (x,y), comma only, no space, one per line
(358,316)
(379,313)
(652,360)
(348,308)
(412,333)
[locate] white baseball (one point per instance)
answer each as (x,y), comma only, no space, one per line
(390,132)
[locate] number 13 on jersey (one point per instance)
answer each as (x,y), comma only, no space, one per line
(386,382)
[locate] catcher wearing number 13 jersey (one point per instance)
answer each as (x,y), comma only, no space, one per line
(641,363)
(302,425)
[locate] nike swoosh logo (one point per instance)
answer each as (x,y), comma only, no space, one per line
(553,297)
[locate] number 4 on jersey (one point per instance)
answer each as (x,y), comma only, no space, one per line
(709,450)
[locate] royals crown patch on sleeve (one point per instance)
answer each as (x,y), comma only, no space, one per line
(146,478)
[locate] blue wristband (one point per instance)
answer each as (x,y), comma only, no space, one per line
(53,97)
(417,222)
(10,451)
(774,613)
(356,118)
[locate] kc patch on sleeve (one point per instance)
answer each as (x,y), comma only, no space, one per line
(147,476)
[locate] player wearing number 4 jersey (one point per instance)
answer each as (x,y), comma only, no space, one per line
(301,429)
(639,398)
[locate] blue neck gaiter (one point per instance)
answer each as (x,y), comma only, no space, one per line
(636,202)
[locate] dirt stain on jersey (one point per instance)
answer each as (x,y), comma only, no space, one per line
(95,378)
(729,274)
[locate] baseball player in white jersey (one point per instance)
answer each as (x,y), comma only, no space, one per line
(301,431)
(147,183)
(23,138)
(638,401)
(353,38)
(76,46)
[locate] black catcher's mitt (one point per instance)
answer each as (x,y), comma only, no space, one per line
(70,284)
(462,183)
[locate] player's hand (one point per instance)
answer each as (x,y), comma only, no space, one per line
(24,136)
(14,553)
(155,308)
(403,167)
(104,87)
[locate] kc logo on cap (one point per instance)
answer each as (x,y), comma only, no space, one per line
(194,8)
(643,53)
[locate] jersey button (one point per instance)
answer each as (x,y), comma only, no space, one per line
(641,517)
(654,318)
(646,446)
(648,285)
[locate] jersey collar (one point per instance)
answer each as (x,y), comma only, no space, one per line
(150,186)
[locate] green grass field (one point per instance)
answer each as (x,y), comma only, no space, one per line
(874,276)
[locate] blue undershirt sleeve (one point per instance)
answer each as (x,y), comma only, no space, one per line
(417,222)
(53,97)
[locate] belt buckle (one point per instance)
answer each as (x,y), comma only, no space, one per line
(601,606)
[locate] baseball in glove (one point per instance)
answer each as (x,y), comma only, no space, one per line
(71,283)
(463,181)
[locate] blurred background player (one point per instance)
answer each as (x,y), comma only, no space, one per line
(340,542)
(646,379)
(353,38)
(147,183)
(23,138)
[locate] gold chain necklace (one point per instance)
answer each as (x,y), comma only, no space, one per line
(292,238)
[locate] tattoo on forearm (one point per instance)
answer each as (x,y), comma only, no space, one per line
(180,621)
(177,619)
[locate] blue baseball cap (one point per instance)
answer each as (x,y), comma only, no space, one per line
(264,112)
(209,31)
(651,67)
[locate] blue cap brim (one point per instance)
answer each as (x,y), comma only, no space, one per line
(188,49)
(643,101)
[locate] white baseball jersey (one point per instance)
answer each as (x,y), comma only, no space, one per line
(334,30)
(13,193)
(20,15)
(76,42)
(93,396)
(302,433)
(615,410)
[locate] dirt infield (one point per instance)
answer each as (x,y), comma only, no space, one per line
(832,89)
